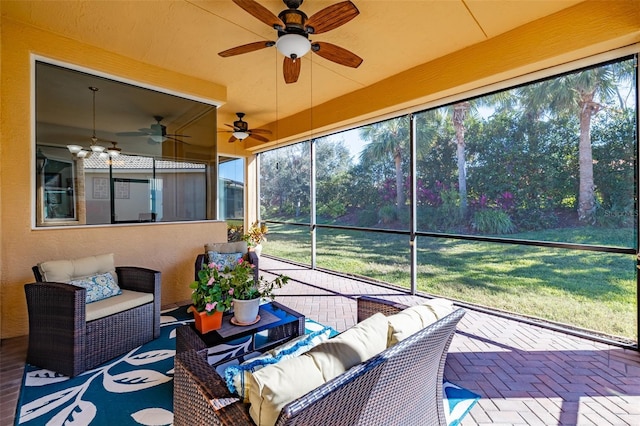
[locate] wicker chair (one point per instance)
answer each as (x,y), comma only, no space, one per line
(232,247)
(402,385)
(60,338)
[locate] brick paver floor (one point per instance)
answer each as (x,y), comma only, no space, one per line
(525,374)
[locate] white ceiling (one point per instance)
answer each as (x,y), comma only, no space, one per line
(185,36)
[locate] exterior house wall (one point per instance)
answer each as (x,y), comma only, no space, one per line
(169,248)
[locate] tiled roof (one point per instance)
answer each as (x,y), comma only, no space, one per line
(138,162)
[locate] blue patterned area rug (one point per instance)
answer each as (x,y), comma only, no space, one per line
(137,388)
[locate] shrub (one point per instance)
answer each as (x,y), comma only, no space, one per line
(388,214)
(535,219)
(492,222)
(367,218)
(332,209)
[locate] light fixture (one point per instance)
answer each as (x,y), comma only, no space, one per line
(293,45)
(95,147)
(157,138)
(240,135)
(113,151)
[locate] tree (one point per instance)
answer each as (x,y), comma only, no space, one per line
(333,163)
(583,94)
(285,177)
(388,140)
(460,112)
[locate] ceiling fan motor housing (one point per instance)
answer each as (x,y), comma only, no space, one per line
(241,126)
(294,21)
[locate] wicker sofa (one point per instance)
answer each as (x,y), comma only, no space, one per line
(69,336)
(401,385)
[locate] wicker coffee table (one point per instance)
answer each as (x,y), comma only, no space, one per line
(278,324)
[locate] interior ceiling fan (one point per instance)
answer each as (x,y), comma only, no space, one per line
(241,130)
(294,27)
(157,132)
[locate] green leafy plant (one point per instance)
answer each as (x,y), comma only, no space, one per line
(388,214)
(256,234)
(246,287)
(217,286)
(212,290)
(492,222)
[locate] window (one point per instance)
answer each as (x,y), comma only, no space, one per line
(166,163)
(231,190)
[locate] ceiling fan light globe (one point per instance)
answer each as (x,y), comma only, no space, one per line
(103,155)
(240,135)
(97,148)
(157,138)
(113,152)
(74,149)
(293,45)
(83,153)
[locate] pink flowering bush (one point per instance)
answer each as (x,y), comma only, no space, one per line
(216,286)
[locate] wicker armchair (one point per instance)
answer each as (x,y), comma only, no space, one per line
(60,338)
(232,247)
(401,385)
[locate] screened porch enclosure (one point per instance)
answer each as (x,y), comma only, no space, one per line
(523,200)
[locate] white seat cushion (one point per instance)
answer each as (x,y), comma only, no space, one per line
(127,300)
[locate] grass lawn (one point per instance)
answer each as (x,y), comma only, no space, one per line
(587,289)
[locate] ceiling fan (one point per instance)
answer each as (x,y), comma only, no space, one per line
(241,130)
(157,132)
(294,27)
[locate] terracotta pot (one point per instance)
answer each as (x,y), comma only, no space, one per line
(245,311)
(206,323)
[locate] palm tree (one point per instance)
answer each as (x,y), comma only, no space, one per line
(584,94)
(460,112)
(388,139)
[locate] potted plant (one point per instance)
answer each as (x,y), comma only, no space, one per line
(247,292)
(212,295)
(255,235)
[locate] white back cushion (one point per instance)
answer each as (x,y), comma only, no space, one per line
(66,270)
(234,247)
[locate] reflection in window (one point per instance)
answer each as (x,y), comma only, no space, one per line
(126,189)
(231,189)
(157,177)
(58,190)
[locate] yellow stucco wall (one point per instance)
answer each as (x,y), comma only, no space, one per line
(170,248)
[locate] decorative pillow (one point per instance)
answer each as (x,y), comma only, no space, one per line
(355,345)
(413,319)
(224,259)
(237,376)
(98,287)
